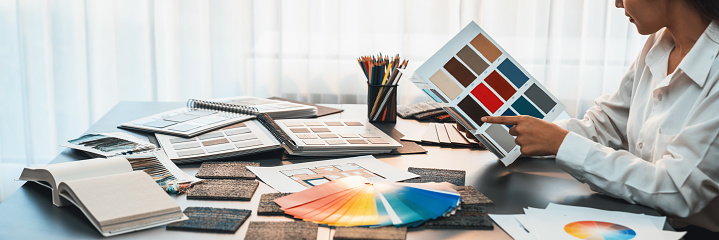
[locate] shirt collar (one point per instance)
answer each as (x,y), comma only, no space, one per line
(656,58)
(698,62)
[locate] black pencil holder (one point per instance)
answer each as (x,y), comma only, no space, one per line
(381,103)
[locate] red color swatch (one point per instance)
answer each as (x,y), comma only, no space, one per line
(500,85)
(487,97)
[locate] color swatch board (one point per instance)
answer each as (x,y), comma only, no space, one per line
(234,140)
(474,77)
(313,137)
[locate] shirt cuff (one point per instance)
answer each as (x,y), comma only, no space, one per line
(572,154)
(561,123)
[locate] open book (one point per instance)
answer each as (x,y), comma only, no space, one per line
(202,116)
(113,197)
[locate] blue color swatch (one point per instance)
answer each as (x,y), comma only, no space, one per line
(512,72)
(524,107)
(509,112)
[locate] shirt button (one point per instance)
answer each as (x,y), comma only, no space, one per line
(640,145)
(659,97)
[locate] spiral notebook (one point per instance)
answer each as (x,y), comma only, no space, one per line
(202,116)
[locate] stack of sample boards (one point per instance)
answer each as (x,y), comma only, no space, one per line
(442,134)
(474,77)
(424,111)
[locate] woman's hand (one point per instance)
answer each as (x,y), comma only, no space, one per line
(536,137)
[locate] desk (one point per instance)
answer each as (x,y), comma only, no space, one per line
(29,213)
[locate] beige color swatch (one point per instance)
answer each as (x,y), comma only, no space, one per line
(445,84)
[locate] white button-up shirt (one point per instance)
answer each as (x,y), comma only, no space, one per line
(655,140)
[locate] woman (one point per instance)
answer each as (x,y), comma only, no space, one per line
(655,140)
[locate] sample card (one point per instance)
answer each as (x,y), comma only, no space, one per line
(474,77)
(298,177)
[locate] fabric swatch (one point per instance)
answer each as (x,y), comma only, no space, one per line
(381,233)
(223,189)
(281,230)
(455,177)
(268,207)
(209,219)
(226,170)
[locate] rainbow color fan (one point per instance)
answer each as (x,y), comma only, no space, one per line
(355,201)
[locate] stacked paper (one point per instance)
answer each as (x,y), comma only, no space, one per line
(569,222)
(355,201)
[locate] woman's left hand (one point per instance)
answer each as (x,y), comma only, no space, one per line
(536,137)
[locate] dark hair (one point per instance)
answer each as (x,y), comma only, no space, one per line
(708,8)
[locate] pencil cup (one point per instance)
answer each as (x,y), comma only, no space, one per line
(381,103)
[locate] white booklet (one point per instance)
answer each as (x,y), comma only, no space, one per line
(472,76)
(300,176)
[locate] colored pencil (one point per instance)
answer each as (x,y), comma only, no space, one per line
(383,71)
